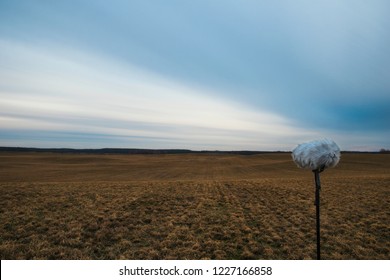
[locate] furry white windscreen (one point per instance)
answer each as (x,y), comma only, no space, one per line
(317,155)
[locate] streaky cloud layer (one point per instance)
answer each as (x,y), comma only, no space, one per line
(223,74)
(54,90)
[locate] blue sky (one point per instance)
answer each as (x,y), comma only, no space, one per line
(227,75)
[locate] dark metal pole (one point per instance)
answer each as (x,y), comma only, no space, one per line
(317,204)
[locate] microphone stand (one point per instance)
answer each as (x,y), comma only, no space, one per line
(317,204)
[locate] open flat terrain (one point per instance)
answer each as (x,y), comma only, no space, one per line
(190,206)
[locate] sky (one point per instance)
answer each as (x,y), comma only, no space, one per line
(200,75)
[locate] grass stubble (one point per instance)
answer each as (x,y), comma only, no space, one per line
(190,207)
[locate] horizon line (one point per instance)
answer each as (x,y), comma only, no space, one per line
(154,150)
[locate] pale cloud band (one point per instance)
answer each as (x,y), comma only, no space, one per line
(57,90)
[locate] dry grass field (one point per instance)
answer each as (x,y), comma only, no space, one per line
(190,206)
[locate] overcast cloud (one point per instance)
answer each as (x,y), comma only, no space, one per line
(251,75)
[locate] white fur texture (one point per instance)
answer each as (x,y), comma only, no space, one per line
(319,154)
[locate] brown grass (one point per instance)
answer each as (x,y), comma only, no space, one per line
(63,206)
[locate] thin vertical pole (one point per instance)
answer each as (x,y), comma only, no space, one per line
(317,203)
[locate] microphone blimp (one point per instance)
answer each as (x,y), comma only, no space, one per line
(317,155)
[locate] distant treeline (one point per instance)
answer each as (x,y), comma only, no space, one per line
(129,151)
(148,151)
